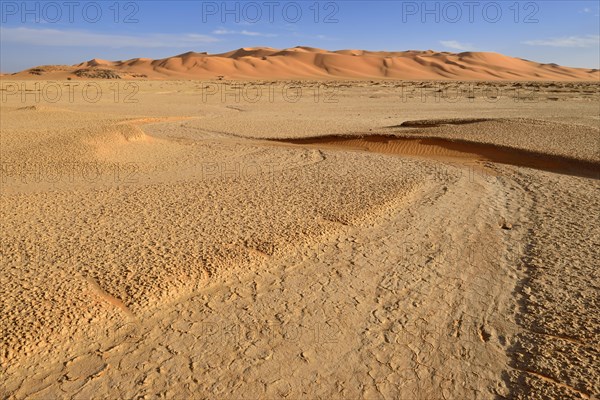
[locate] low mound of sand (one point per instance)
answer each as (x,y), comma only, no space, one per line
(309,62)
(544,138)
(444,149)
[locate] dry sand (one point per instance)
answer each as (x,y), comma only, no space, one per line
(194,245)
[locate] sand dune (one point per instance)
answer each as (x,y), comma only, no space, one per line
(308,62)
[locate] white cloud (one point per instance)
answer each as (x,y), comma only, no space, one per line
(320,37)
(55,37)
(569,41)
(223,32)
(249,33)
(453,44)
(244,32)
(587,10)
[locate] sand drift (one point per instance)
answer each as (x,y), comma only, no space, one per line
(449,150)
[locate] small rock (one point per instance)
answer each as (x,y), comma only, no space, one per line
(507,226)
(305,356)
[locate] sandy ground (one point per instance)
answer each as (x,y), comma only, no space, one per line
(188,240)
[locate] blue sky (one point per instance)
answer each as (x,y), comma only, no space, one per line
(51,32)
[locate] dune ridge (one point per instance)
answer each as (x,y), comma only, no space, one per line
(306,62)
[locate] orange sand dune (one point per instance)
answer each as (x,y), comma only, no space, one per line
(307,62)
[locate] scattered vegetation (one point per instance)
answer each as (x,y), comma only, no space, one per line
(97,73)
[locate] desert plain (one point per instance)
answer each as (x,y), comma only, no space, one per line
(322,237)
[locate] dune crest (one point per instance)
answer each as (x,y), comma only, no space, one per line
(303,62)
